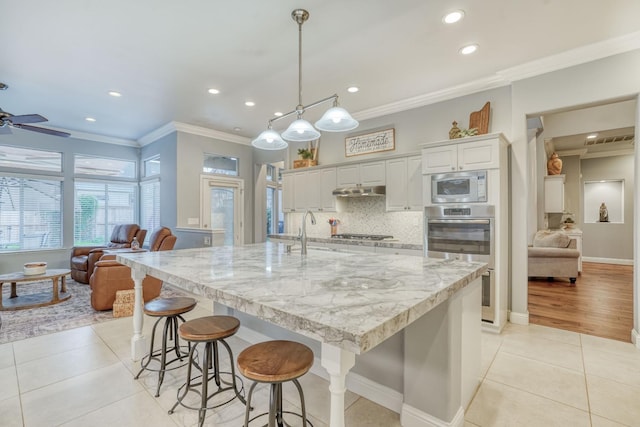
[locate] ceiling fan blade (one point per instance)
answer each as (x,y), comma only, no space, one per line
(42,130)
(26,118)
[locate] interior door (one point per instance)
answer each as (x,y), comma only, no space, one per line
(222,210)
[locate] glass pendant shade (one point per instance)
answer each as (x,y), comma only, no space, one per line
(300,131)
(336,119)
(269,140)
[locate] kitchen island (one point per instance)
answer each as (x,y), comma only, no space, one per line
(350,303)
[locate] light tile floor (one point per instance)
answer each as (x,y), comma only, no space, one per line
(531,376)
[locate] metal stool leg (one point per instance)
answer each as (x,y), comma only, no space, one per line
(188,383)
(304,411)
(153,334)
(248,404)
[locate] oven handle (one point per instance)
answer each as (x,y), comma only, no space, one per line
(459,221)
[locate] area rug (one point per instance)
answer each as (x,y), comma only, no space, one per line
(72,313)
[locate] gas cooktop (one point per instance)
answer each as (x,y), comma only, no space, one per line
(361,236)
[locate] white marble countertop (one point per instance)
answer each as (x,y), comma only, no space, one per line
(387,243)
(350,300)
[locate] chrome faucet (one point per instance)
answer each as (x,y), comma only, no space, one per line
(303,233)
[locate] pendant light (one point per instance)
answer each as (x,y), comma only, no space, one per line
(335,119)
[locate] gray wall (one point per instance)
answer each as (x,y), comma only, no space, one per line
(58,258)
(417,126)
(610,240)
(189,157)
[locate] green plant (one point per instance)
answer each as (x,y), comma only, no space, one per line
(467,132)
(305,153)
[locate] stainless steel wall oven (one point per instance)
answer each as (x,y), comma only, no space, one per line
(464,232)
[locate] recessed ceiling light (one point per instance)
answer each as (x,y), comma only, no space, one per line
(592,136)
(237,129)
(469,49)
(114,93)
(90,119)
(278,114)
(213,91)
(453,17)
(353,89)
(250,103)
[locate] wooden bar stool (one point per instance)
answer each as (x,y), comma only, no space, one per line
(209,330)
(275,362)
(170,309)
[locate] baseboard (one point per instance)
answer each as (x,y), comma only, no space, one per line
(608,260)
(635,338)
(519,318)
(362,386)
(412,417)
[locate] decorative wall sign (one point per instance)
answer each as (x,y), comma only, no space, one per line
(375,142)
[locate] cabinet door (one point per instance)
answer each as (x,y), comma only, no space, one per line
(327,185)
(313,194)
(414,183)
(479,155)
(440,159)
(300,191)
(287,192)
(397,185)
(348,176)
(554,193)
(372,173)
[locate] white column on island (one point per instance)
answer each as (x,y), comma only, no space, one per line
(337,362)
(138,341)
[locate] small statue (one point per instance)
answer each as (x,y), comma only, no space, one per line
(604,213)
(454,133)
(554,165)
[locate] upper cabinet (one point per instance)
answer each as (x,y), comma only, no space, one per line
(370,173)
(461,156)
(404,186)
(309,190)
(554,193)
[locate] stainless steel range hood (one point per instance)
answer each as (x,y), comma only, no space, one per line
(360,191)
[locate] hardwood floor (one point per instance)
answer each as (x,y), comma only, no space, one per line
(601,302)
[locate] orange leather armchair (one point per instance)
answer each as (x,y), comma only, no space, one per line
(109,276)
(84,258)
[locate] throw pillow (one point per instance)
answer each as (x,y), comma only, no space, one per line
(551,239)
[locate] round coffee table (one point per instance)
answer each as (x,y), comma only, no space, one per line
(41,299)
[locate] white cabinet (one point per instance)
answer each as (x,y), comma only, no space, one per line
(309,190)
(287,192)
(461,156)
(321,184)
(554,193)
(370,173)
(404,186)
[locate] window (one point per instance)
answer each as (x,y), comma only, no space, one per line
(214,163)
(150,204)
(275,216)
(98,207)
(151,167)
(30,213)
(24,158)
(100,166)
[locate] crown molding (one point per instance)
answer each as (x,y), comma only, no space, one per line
(570,58)
(507,76)
(433,97)
(98,138)
(193,130)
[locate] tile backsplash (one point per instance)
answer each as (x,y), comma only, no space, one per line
(364,215)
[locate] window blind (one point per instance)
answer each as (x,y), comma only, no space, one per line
(150,204)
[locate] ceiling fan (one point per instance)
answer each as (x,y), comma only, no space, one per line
(8,120)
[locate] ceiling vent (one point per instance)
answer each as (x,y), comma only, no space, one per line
(609,140)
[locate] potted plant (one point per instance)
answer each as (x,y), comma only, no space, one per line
(306,158)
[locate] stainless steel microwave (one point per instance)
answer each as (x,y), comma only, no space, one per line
(459,187)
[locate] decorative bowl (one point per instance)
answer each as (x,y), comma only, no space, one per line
(34,268)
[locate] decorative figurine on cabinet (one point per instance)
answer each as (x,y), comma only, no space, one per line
(454,133)
(554,165)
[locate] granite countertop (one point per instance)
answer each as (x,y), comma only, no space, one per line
(347,299)
(388,243)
